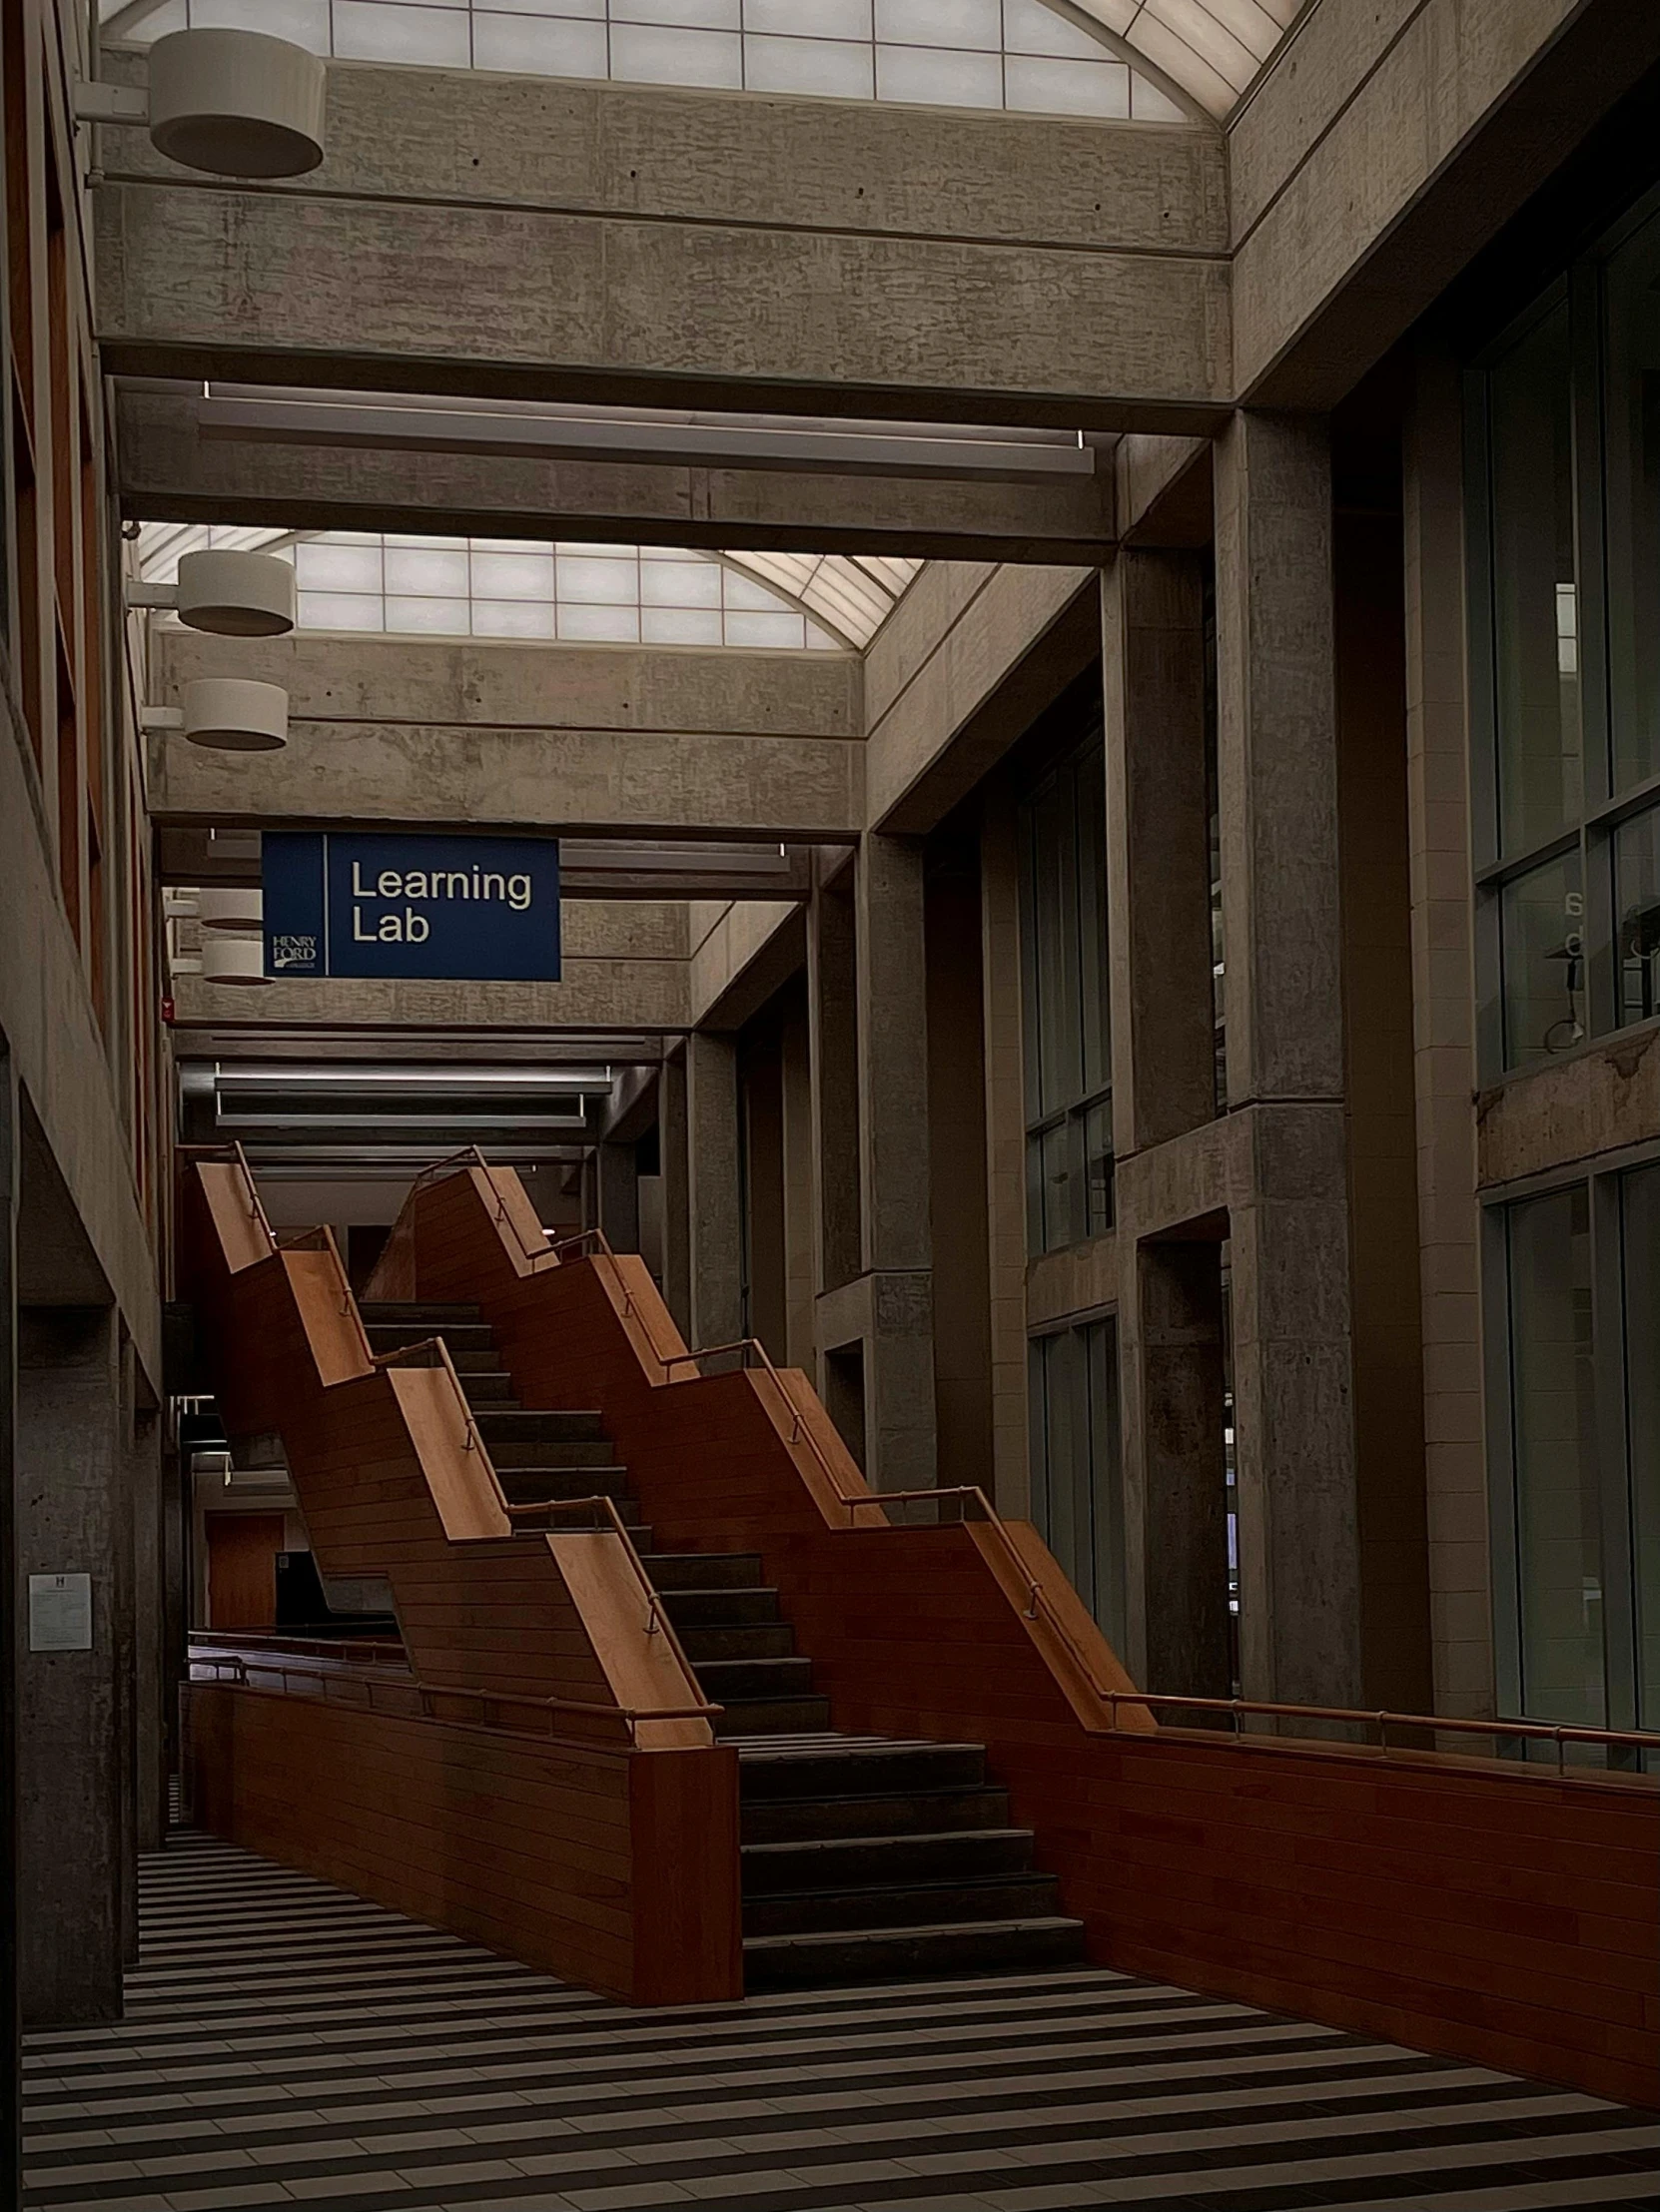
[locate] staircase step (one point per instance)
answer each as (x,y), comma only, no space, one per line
(465,1339)
(716,1607)
(420,1312)
(908,1813)
(772,1716)
(849,1766)
(705,1570)
(729,1679)
(534,1486)
(533,1425)
(1019,1896)
(492,1393)
(773,1640)
(902,1953)
(885,1861)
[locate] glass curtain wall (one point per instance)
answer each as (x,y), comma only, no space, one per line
(1063,895)
(1565,630)
(1076,1484)
(1577,1508)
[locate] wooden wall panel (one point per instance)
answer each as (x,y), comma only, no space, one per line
(1482,1908)
(615,1869)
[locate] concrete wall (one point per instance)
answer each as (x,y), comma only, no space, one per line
(563,238)
(608,737)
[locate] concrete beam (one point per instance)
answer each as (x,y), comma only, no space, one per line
(171,471)
(956,675)
(643,740)
(1391,141)
(524,237)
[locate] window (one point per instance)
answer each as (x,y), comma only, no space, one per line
(1565,633)
(1063,870)
(1639,1205)
(1554,1416)
(1076,1486)
(1577,1488)
(1016,54)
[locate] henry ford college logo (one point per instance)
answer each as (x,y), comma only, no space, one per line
(294,953)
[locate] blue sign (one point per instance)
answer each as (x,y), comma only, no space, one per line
(458,909)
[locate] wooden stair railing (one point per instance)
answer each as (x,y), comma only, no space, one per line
(552,1638)
(1395,1891)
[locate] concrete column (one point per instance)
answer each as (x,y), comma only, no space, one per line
(144,1489)
(832,999)
(619,1196)
(897,1246)
(796,1047)
(74,1762)
(11,1644)
(1300,1613)
(672,1150)
(1158,848)
(714,1189)
(956,1164)
(1443,1043)
(1277,759)
(1005,1080)
(1176,1485)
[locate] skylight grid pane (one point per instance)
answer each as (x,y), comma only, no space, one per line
(650,56)
(810,17)
(600,626)
(828,68)
(947,23)
(395,31)
(325,565)
(681,626)
(927,77)
(1229,56)
(306,22)
(431,573)
(512,575)
(595,8)
(523,46)
(745,627)
(599,583)
(697,15)
(533,618)
(1031,28)
(1046,87)
(342,610)
(437,617)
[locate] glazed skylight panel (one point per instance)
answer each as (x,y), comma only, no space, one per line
(515,588)
(1213,49)
(1016,54)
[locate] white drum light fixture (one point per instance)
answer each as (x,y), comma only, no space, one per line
(232,959)
(228,594)
(231,714)
(230,103)
(224,907)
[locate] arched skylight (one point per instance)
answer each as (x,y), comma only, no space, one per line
(1019,54)
(515,588)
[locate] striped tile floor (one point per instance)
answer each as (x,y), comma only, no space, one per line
(288,2044)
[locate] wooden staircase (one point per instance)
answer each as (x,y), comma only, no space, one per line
(863,1857)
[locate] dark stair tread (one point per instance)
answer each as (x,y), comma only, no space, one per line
(807,1866)
(890,1813)
(788,1676)
(744,1640)
(583,1456)
(706,1571)
(752,1716)
(718,1608)
(402,1310)
(954,1899)
(899,1953)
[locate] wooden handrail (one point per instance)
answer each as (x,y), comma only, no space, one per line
(231,1149)
(226,1653)
(1637,1740)
(1037,1598)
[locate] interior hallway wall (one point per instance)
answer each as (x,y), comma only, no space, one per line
(958,1223)
(75,1763)
(1378,1045)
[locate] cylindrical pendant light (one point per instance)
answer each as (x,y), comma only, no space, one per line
(232,714)
(230,959)
(236,595)
(230,907)
(236,103)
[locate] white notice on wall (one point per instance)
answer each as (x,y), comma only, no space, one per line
(60,1613)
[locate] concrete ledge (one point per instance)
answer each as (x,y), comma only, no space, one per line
(513,234)
(1605,1099)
